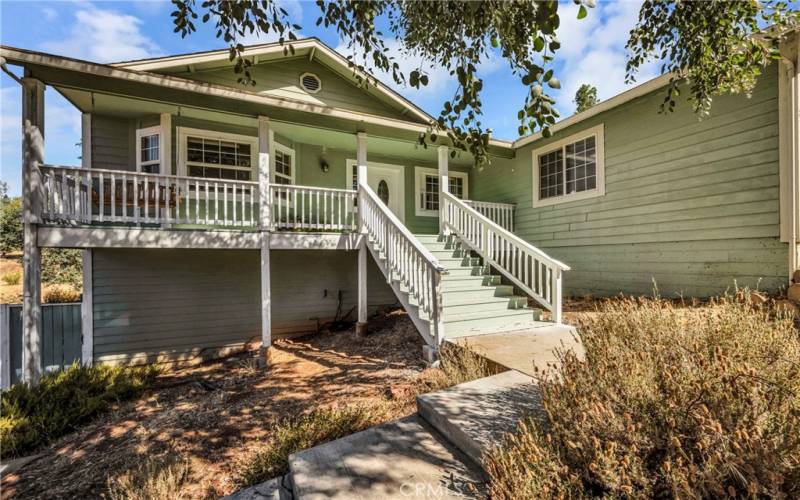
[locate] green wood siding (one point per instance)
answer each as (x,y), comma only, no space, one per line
(282,79)
(690,204)
(172,304)
(112,143)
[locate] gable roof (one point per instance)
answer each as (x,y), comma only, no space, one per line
(313,48)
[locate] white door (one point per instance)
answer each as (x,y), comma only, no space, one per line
(387,182)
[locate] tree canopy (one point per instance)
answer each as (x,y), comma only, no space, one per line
(585,97)
(709,43)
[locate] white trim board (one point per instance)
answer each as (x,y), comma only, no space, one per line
(600,187)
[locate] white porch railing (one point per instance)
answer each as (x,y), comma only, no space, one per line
(313,208)
(537,274)
(501,214)
(407,261)
(97,195)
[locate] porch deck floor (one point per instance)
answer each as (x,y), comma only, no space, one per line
(522,350)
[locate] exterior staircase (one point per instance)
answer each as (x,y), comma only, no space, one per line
(475,301)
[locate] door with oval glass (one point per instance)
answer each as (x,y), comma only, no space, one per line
(386,182)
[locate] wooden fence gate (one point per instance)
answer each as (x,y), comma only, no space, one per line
(61,338)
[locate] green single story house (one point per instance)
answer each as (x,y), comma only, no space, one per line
(213,214)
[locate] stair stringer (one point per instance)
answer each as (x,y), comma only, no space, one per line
(423,326)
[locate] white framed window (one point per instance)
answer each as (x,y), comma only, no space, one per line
(217,155)
(148,150)
(570,169)
(426,189)
(284,170)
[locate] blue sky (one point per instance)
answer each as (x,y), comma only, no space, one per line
(593,51)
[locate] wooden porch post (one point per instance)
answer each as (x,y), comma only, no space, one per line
(87,312)
(444,182)
(265,141)
(32,157)
(165,148)
(361,162)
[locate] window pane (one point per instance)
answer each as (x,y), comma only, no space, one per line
(148,147)
(551,174)
(580,165)
(152,168)
(430,192)
(457,187)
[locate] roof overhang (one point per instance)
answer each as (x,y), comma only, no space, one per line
(311,48)
(75,74)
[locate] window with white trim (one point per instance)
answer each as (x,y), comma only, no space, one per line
(217,155)
(569,169)
(284,165)
(426,189)
(148,150)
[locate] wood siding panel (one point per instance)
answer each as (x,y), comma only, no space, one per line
(112,143)
(172,304)
(690,204)
(282,79)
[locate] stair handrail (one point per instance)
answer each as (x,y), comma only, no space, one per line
(407,260)
(528,267)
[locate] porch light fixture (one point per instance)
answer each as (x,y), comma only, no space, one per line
(323,163)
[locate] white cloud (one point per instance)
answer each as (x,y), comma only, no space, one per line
(49,14)
(103,36)
(593,50)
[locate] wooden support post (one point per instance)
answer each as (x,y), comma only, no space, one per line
(87,311)
(32,158)
(265,162)
(266,300)
(444,183)
(361,166)
(165,147)
(558,277)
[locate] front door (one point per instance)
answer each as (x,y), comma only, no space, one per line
(385,182)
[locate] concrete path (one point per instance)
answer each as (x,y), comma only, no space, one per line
(522,350)
(397,460)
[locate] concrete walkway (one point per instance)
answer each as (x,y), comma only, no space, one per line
(523,349)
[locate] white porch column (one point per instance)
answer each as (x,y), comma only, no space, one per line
(165,152)
(444,182)
(361,166)
(265,158)
(87,315)
(32,157)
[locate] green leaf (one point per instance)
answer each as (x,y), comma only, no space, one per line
(582,12)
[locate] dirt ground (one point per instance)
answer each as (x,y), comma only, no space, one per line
(10,294)
(215,413)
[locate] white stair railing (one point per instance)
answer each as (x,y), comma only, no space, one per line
(533,271)
(501,214)
(407,261)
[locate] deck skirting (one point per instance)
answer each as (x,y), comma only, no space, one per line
(136,237)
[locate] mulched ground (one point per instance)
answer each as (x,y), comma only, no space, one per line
(216,413)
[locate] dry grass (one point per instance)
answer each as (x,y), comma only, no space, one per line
(155,479)
(457,365)
(12,278)
(60,294)
(671,402)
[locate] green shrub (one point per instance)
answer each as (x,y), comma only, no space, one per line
(10,225)
(670,403)
(63,266)
(12,278)
(293,435)
(155,479)
(32,416)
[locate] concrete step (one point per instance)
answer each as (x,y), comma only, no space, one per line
(397,460)
(475,415)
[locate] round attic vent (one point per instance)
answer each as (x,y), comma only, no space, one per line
(310,82)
